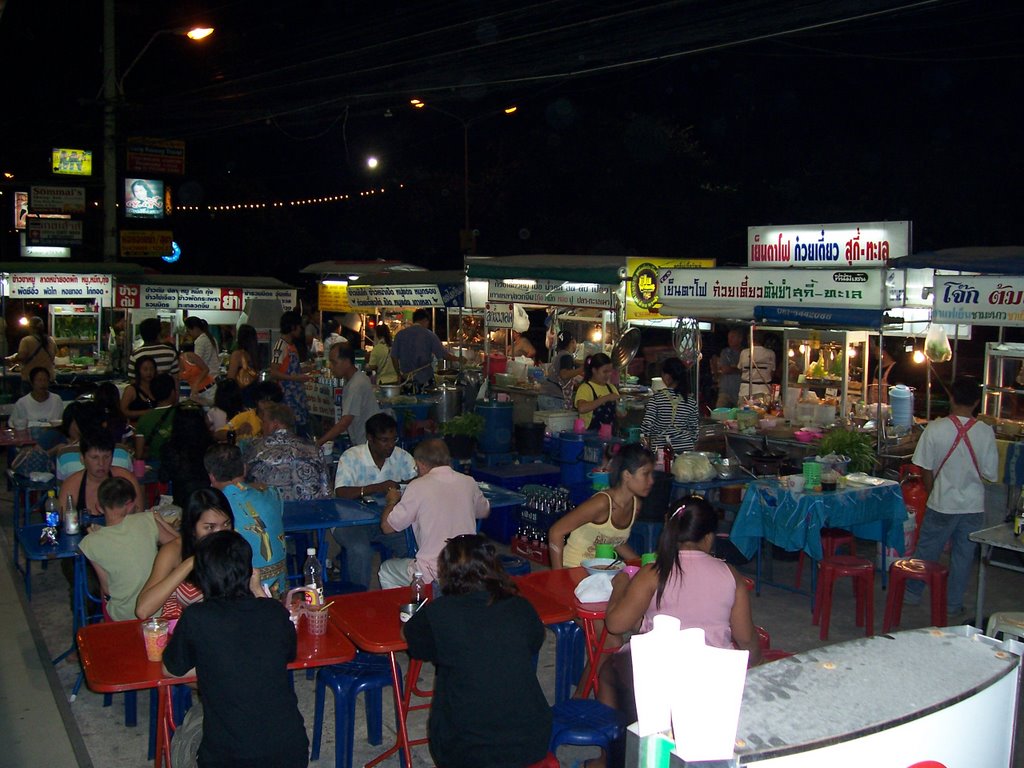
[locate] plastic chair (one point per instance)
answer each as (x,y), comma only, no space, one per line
(831,540)
(368,674)
(935,575)
(584,723)
(595,647)
(862,571)
(1008,622)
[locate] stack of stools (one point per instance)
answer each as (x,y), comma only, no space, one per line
(934,574)
(831,540)
(862,571)
(1009,623)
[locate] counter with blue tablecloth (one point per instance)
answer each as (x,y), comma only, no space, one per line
(794,521)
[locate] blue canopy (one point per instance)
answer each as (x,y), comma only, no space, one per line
(1002,260)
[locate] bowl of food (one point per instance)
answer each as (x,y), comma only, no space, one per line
(607,566)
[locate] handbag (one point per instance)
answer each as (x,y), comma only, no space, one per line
(31,459)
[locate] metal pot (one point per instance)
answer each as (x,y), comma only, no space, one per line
(448,403)
(387,391)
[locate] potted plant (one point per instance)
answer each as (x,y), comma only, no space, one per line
(461,433)
(859,447)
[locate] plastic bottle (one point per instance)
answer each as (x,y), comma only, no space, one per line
(71,526)
(419,588)
(51,510)
(1018,520)
(314,577)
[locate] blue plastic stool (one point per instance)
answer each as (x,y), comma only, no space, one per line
(367,673)
(514,565)
(584,723)
(570,654)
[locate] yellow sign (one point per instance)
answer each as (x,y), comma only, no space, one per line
(333,298)
(146,243)
(642,287)
(73,162)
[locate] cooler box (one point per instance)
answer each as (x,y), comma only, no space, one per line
(514,476)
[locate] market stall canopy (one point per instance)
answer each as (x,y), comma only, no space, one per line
(604,270)
(365,267)
(999,260)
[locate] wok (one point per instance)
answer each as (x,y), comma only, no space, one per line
(626,348)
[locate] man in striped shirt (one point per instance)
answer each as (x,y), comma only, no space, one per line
(165,356)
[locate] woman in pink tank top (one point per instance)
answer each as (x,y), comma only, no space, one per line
(685,582)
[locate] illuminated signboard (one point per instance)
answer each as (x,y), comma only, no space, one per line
(72,162)
(143,199)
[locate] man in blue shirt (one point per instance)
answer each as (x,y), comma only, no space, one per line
(415,347)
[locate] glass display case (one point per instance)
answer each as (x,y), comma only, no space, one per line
(1003,382)
(76,327)
(825,373)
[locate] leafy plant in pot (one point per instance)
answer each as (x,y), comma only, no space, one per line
(461,433)
(859,447)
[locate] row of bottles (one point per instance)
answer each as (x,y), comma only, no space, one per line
(546,500)
(55,521)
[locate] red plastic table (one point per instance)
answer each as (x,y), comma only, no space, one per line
(114,659)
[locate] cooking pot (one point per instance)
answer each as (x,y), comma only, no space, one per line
(448,402)
(387,391)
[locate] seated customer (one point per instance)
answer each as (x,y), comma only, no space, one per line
(439,504)
(181,458)
(82,417)
(239,646)
(488,709)
(155,426)
(246,423)
(40,407)
(97,453)
(282,459)
(374,467)
(685,582)
(123,550)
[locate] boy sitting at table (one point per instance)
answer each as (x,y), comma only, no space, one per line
(238,645)
(123,550)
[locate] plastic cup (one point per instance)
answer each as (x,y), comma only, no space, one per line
(796,483)
(155,632)
(139,468)
(631,570)
(316,621)
(579,427)
(406,611)
(648,557)
(605,550)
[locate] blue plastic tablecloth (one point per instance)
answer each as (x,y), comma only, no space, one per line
(794,522)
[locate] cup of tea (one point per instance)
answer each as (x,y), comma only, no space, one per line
(155,633)
(605,550)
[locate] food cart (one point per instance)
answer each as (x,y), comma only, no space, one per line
(76,299)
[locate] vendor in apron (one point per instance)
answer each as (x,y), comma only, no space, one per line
(596,397)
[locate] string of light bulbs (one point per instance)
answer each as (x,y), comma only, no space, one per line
(280,204)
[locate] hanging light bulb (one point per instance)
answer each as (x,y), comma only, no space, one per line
(596,335)
(918,356)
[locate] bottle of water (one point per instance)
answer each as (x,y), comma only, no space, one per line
(71,526)
(51,510)
(419,588)
(314,577)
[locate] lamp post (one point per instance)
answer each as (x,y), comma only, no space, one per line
(113,89)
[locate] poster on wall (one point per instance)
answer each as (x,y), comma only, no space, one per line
(996,300)
(861,244)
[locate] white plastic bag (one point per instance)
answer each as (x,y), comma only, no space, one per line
(936,345)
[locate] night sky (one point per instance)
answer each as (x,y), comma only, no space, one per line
(642,128)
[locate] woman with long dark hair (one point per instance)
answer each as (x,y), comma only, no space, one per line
(670,417)
(138,399)
(244,361)
(380,361)
(204,344)
(482,638)
(596,397)
(181,456)
(171,586)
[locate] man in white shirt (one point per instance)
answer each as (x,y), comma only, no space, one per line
(757,367)
(957,454)
(358,401)
(38,406)
(376,466)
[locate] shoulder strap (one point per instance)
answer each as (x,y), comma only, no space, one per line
(961,435)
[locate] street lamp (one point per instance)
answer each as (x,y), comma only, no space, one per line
(467,234)
(113,88)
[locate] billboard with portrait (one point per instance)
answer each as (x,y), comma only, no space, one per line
(143,199)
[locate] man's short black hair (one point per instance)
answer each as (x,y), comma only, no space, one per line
(344,352)
(115,492)
(149,330)
(965,390)
(420,314)
(162,386)
(100,439)
(224,462)
(223,565)
(289,320)
(379,424)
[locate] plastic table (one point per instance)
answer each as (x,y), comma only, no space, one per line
(320,515)
(1001,537)
(114,659)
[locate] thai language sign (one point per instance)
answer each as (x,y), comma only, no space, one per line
(499,315)
(54,199)
(146,243)
(866,244)
(684,290)
(991,300)
(130,296)
(554,293)
(57,286)
(159,156)
(642,287)
(371,296)
(53,232)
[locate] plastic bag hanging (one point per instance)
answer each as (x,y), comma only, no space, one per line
(936,345)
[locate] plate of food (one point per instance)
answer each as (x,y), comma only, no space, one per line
(603,565)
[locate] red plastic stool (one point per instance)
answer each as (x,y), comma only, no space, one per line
(588,613)
(831,540)
(935,575)
(862,571)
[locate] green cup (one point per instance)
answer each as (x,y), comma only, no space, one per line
(605,550)
(648,557)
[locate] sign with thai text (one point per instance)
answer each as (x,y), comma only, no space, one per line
(57,286)
(866,244)
(157,156)
(394,296)
(130,296)
(552,293)
(55,199)
(991,300)
(642,287)
(53,232)
(499,315)
(692,290)
(146,243)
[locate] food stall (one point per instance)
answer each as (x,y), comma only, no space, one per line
(76,300)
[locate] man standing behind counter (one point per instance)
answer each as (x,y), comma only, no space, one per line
(415,347)
(358,402)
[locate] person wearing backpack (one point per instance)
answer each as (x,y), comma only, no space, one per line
(957,453)
(35,350)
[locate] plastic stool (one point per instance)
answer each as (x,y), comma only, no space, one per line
(514,565)
(901,571)
(831,540)
(595,644)
(1007,622)
(584,723)
(367,673)
(862,571)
